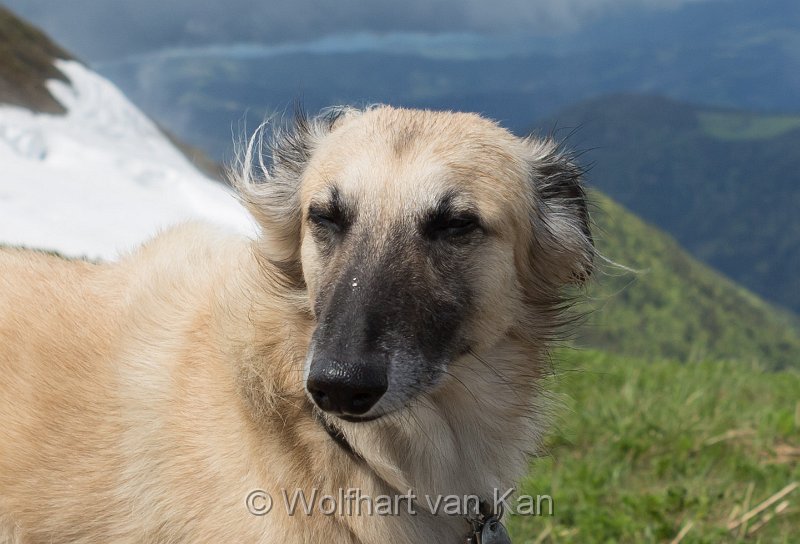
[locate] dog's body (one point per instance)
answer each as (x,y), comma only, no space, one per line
(143,401)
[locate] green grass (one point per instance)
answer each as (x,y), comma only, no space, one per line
(745,126)
(643,450)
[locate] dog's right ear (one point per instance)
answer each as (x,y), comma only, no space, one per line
(563,246)
(267,180)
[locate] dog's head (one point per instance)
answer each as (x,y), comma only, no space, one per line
(418,236)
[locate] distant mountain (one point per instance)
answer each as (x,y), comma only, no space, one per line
(673,306)
(101,177)
(83,171)
(729,53)
(724,183)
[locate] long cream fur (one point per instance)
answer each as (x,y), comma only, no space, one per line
(143,400)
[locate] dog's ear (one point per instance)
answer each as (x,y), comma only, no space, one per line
(563,247)
(268,176)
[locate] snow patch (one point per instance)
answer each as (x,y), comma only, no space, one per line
(101,179)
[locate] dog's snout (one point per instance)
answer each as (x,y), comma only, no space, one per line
(343,388)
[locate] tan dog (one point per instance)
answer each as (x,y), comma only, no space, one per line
(386,333)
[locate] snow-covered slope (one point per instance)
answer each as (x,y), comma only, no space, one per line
(100,179)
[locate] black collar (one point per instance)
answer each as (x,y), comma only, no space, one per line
(337,436)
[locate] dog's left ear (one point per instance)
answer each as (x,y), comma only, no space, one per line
(561,225)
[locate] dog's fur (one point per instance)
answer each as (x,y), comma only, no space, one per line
(141,401)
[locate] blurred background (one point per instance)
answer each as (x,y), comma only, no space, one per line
(118,115)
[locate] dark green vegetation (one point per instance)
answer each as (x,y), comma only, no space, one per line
(674,306)
(26,62)
(725,184)
(746,127)
(50,252)
(642,451)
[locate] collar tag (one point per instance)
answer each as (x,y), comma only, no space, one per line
(494,532)
(488,529)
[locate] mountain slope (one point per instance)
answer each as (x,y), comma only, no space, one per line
(725,183)
(98,178)
(674,306)
(26,61)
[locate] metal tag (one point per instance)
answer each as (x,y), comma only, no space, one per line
(494,532)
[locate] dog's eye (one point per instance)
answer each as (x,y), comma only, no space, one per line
(460,225)
(452,226)
(326,219)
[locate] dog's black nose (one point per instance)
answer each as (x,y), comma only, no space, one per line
(345,388)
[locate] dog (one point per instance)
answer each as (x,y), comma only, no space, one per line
(386,332)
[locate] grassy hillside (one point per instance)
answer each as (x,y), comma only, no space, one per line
(26,62)
(674,306)
(725,184)
(643,451)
